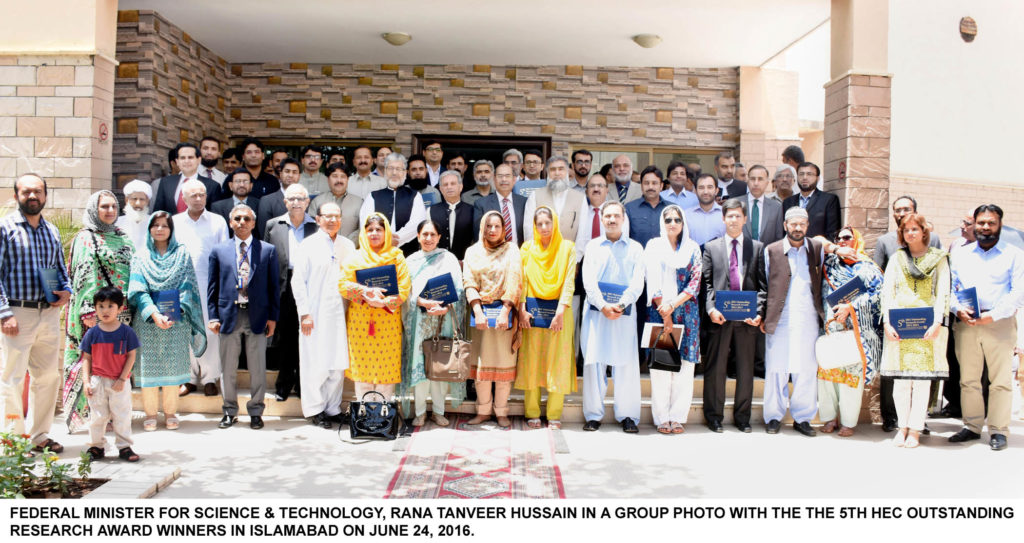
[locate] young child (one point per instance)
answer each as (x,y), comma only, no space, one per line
(108,354)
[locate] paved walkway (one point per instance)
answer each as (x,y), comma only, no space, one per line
(290,458)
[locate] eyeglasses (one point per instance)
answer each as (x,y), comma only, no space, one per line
(395,169)
(242,218)
(334,216)
(670,220)
(584,162)
(845,238)
(432,149)
(297,199)
(314,157)
(534,162)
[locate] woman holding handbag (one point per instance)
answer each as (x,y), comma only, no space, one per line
(841,389)
(424,319)
(546,358)
(674,265)
(916,277)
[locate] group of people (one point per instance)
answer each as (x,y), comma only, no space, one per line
(204,265)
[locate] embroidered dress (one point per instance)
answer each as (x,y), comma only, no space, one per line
(866,321)
(687,314)
(917,282)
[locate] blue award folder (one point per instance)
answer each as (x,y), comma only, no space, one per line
(440,288)
(968,299)
(526,187)
(736,305)
(612,293)
(846,292)
(491,311)
(49,282)
(913,322)
(543,311)
(168,303)
(383,277)
(429,198)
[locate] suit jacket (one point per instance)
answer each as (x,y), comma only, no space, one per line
(350,204)
(164,199)
(633,192)
(264,296)
(224,207)
(277,235)
(492,203)
(464,236)
(271,206)
(736,188)
(824,216)
(771,223)
(715,269)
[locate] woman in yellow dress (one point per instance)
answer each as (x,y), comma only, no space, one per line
(546,357)
(374,320)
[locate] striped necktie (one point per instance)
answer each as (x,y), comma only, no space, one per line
(507,218)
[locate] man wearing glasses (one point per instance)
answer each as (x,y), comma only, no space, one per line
(513,158)
(533,174)
(433,153)
(582,160)
(273,205)
(314,181)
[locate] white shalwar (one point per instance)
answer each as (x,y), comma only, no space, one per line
(200,237)
(789,352)
(323,355)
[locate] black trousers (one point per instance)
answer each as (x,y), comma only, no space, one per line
(284,353)
(739,339)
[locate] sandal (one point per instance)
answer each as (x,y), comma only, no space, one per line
(504,422)
(845,431)
(829,427)
(913,439)
(54,447)
(555,424)
(171,422)
(665,428)
(128,454)
(95,453)
(533,424)
(900,438)
(149,424)
(677,428)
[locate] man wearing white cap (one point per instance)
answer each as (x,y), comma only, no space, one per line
(137,195)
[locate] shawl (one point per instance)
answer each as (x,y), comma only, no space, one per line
(91,219)
(545,268)
(153,272)
(494,273)
(924,268)
(666,258)
(866,319)
(858,247)
(366,257)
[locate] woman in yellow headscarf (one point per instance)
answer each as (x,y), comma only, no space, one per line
(546,358)
(374,320)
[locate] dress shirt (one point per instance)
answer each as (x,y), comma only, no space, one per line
(705,225)
(805,199)
(23,250)
(797,258)
(997,274)
(434,175)
(213,173)
(644,220)
(584,232)
(474,194)
(181,182)
(363,186)
(724,186)
(315,184)
(739,253)
(576,186)
(685,199)
(406,233)
(200,236)
(295,236)
(507,201)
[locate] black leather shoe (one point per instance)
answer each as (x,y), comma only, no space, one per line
(744,427)
(715,426)
(773,426)
(591,425)
(281,397)
(927,431)
(629,426)
(321,420)
(889,426)
(227,422)
(965,434)
(340,418)
(256,422)
(998,442)
(804,428)
(210,389)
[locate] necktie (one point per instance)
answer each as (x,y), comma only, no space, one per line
(243,270)
(755,221)
(734,269)
(508,219)
(181,207)
(595,230)
(451,225)
(803,202)
(623,189)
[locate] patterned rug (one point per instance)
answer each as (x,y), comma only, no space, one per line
(483,461)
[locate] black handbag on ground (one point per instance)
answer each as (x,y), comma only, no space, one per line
(665,355)
(374,419)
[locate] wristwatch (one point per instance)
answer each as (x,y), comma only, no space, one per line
(621,307)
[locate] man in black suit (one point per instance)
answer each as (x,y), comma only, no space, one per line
(169,196)
(253,154)
(824,216)
(457,236)
(295,225)
(725,168)
(273,205)
(502,200)
(239,183)
(732,262)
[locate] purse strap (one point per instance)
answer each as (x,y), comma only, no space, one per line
(440,322)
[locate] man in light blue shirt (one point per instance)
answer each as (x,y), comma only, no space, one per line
(995,269)
(680,191)
(705,220)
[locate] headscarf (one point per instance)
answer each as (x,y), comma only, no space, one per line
(545,268)
(91,219)
(858,246)
(366,257)
(493,272)
(502,242)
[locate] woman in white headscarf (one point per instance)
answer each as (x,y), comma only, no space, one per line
(137,195)
(673,279)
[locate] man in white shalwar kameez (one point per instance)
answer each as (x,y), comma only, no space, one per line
(609,335)
(200,231)
(323,344)
(137,195)
(792,329)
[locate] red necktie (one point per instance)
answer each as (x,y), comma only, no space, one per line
(181,199)
(595,230)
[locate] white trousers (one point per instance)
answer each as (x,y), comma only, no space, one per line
(835,399)
(911,399)
(671,394)
(438,391)
(107,404)
(321,395)
(802,405)
(34,349)
(626,392)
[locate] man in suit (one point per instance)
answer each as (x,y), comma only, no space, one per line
(504,201)
(252,158)
(570,205)
(453,216)
(824,216)
(285,233)
(402,205)
(732,262)
(725,168)
(243,301)
(625,189)
(432,153)
(272,205)
(349,203)
(239,183)
(169,196)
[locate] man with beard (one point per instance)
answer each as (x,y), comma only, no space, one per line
(378,162)
(402,205)
(503,200)
(209,151)
(239,182)
(347,202)
(31,337)
(705,219)
(680,187)
(454,217)
(252,158)
(419,181)
(311,178)
(570,205)
(363,181)
(168,196)
(582,160)
(533,169)
(782,183)
(483,175)
(622,172)
(273,205)
(986,338)
(822,208)
(725,168)
(134,222)
(432,155)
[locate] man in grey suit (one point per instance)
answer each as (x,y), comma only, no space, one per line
(625,189)
(764,214)
(348,202)
(272,205)
(502,200)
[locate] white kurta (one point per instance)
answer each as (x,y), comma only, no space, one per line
(136,230)
(200,237)
(323,355)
